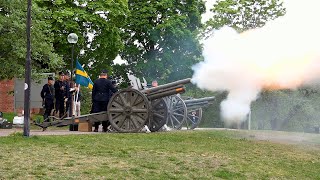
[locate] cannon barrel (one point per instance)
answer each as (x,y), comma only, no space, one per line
(166,86)
(166,89)
(178,89)
(200,100)
(197,105)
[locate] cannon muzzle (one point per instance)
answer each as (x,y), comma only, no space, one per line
(199,102)
(167,86)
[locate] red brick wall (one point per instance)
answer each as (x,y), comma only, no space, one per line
(6,99)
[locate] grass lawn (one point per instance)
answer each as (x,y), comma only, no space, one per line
(168,155)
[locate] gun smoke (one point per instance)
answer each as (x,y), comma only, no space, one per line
(283,54)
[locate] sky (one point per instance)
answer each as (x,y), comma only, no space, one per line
(208,14)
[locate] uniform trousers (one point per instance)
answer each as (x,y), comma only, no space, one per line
(99,106)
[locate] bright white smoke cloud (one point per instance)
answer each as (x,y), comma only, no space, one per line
(285,53)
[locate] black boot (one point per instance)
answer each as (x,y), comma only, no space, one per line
(96,128)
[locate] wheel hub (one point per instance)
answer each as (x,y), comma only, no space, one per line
(127,110)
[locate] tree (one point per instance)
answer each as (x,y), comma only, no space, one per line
(244,14)
(98,25)
(13,40)
(160,38)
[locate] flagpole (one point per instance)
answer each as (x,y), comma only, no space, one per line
(76,99)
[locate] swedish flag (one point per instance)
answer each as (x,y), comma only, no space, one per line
(82,77)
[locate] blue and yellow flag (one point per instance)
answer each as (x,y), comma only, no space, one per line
(82,77)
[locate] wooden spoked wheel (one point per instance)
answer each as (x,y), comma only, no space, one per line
(128,110)
(177,112)
(159,114)
(194,117)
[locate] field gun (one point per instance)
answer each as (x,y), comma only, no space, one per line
(159,98)
(130,109)
(186,111)
(194,107)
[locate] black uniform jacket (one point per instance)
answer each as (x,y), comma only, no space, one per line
(101,89)
(47,92)
(59,93)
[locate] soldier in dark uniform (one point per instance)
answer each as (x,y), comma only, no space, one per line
(100,97)
(60,94)
(68,94)
(47,95)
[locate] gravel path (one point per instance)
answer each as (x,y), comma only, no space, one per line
(7,132)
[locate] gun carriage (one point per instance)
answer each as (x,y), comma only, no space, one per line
(177,111)
(130,109)
(186,111)
(194,107)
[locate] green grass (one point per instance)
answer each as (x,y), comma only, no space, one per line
(9,116)
(169,155)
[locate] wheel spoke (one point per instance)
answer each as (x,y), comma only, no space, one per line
(139,110)
(134,123)
(116,103)
(115,110)
(124,102)
(116,116)
(126,124)
(134,99)
(120,124)
(140,119)
(176,119)
(171,121)
(176,114)
(140,115)
(155,123)
(159,115)
(178,108)
(138,102)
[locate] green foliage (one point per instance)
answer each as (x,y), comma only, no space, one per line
(9,116)
(98,25)
(161,38)
(86,101)
(243,15)
(287,110)
(13,40)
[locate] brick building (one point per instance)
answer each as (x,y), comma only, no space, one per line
(12,96)
(6,96)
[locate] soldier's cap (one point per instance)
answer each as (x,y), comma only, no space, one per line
(104,72)
(50,78)
(67,73)
(61,74)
